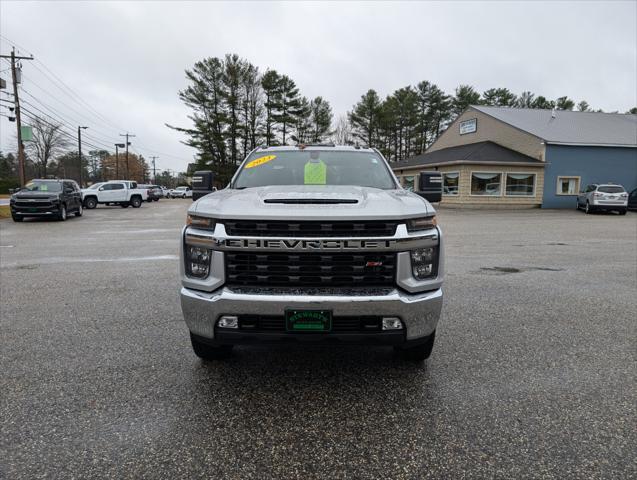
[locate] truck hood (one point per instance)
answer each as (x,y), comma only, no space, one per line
(312,202)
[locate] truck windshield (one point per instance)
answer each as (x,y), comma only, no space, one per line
(43,186)
(314,167)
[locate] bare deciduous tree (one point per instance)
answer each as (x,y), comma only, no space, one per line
(342,134)
(48,142)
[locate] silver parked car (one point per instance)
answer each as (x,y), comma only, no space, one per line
(607,197)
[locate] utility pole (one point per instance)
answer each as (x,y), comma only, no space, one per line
(79,148)
(117,147)
(14,74)
(154,174)
(127,144)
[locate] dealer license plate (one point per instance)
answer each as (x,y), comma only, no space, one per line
(308,320)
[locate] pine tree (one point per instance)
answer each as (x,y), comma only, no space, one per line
(252,107)
(206,98)
(271,84)
(303,122)
(321,120)
(289,107)
(465,96)
(364,117)
(542,102)
(525,100)
(564,103)
(499,97)
(233,78)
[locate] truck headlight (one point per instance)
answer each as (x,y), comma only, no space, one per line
(424,223)
(200,222)
(423,262)
(198,261)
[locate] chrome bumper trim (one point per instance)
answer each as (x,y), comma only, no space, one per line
(419,312)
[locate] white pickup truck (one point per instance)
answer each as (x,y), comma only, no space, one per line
(117,192)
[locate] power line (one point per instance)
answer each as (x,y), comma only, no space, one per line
(54,97)
(34,117)
(66,117)
(55,120)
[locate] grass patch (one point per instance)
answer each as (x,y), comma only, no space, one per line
(5,211)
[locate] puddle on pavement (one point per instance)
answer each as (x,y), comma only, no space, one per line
(508,270)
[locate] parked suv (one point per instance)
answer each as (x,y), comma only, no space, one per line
(607,197)
(312,244)
(46,198)
(180,192)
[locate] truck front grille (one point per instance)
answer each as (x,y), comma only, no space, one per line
(310,269)
(33,204)
(254,228)
(276,323)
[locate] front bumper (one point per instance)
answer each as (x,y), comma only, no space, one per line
(419,313)
(39,211)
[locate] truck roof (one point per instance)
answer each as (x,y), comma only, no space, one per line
(326,146)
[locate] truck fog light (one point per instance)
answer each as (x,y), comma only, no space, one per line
(197,261)
(228,322)
(392,323)
(422,262)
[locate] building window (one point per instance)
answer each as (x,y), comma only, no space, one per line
(485,183)
(568,185)
(408,182)
(450,183)
(520,184)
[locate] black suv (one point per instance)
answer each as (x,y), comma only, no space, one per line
(46,198)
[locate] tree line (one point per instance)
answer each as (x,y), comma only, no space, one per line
(236,107)
(406,122)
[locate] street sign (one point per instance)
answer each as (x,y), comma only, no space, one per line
(27,133)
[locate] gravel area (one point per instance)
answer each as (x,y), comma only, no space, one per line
(532,375)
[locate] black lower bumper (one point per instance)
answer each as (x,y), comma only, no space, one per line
(228,337)
(35,211)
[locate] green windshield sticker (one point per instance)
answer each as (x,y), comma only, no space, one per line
(315,173)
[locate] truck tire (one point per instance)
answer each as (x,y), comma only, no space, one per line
(209,352)
(622,212)
(90,203)
(136,201)
(588,209)
(124,204)
(419,352)
(62,213)
(80,210)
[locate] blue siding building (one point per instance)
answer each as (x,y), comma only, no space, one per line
(580,148)
(578,166)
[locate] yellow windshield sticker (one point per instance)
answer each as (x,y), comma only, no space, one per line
(315,173)
(260,161)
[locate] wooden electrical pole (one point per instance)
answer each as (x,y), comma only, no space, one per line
(18,121)
(127,144)
(154,174)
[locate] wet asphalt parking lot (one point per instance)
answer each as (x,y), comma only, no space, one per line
(532,375)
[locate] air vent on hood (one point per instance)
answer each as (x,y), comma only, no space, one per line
(310,201)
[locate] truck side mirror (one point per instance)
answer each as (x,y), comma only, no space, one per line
(430,186)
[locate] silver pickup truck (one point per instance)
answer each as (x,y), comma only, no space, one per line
(312,244)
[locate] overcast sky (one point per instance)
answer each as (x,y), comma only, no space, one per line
(127,59)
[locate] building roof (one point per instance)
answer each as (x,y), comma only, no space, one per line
(481,152)
(568,127)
